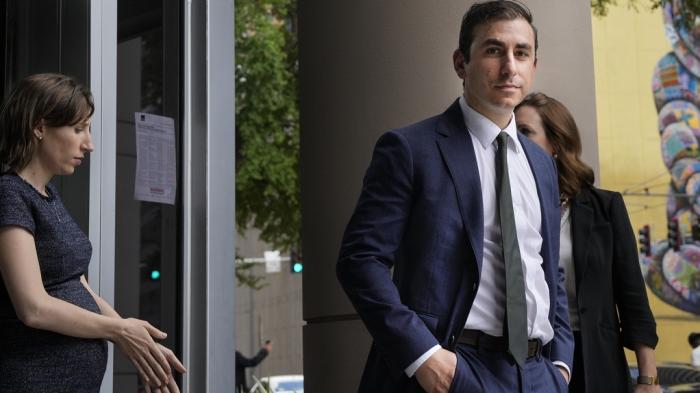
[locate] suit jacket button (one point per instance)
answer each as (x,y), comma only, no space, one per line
(474,287)
(452,340)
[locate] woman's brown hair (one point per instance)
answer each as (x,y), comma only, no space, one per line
(563,136)
(54,99)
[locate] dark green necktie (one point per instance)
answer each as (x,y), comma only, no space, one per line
(515,323)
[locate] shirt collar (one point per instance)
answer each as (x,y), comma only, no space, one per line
(485,130)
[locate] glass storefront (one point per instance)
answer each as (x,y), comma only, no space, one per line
(54,36)
(170,264)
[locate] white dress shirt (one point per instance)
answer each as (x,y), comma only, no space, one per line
(566,261)
(488,309)
(695,357)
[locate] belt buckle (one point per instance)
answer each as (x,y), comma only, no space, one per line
(534,348)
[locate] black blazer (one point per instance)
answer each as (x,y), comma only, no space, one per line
(608,283)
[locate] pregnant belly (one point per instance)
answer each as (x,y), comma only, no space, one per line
(25,348)
(74,292)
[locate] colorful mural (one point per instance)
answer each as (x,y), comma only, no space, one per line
(674,276)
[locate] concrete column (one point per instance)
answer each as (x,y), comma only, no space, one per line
(367,67)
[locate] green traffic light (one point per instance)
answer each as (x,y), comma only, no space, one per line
(298,267)
(155,274)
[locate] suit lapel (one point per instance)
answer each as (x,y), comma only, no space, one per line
(458,153)
(581,223)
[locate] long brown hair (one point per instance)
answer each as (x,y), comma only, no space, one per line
(563,135)
(54,99)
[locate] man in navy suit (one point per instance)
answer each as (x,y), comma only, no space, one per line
(428,209)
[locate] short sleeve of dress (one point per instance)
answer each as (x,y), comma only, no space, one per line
(14,207)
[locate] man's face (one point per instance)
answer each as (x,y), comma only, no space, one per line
(501,68)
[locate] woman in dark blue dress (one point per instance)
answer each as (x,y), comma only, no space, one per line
(53,327)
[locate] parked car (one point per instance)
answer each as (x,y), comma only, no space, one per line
(279,384)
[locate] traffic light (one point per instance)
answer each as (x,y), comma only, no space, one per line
(645,241)
(674,234)
(150,270)
(296,265)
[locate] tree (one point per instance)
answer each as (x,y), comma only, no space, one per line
(600,7)
(247,277)
(690,9)
(267,121)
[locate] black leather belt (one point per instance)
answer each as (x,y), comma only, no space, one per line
(481,340)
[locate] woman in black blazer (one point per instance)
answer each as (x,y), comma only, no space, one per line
(608,306)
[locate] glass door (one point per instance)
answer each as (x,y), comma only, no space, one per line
(148,260)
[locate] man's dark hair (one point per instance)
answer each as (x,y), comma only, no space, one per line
(694,339)
(483,13)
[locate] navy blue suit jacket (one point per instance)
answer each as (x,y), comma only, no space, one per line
(421,213)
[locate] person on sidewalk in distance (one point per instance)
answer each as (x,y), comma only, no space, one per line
(243,362)
(694,341)
(53,327)
(466,212)
(608,306)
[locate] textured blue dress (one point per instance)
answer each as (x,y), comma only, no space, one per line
(33,360)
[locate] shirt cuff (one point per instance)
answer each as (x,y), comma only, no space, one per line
(564,366)
(410,370)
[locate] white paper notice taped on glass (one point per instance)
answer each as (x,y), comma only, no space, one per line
(155,158)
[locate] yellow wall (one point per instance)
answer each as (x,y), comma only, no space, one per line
(626,47)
